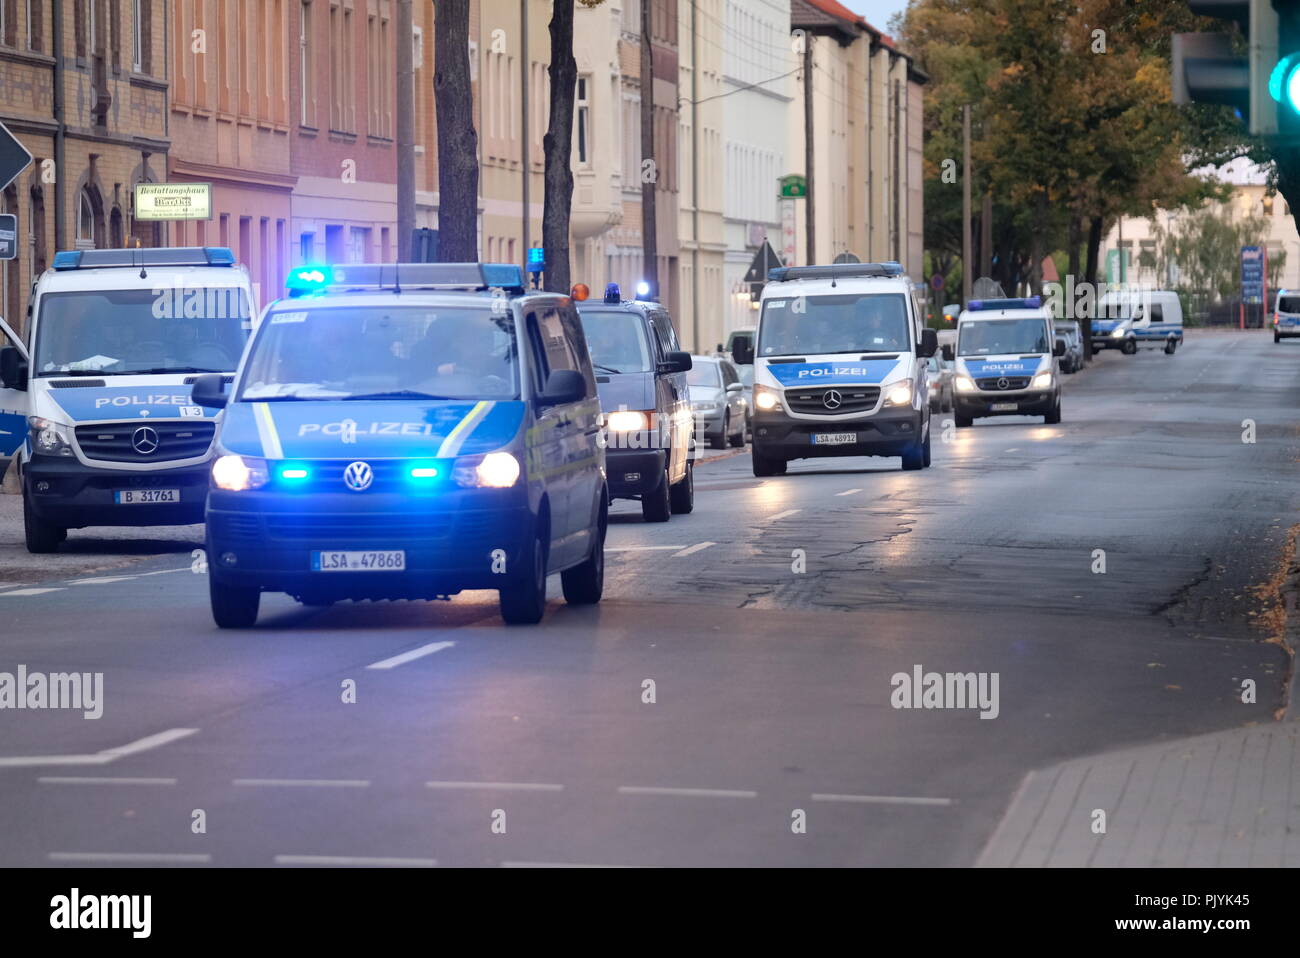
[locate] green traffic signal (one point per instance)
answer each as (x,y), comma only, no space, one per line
(1284,82)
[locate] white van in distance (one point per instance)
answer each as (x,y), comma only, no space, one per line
(1147,318)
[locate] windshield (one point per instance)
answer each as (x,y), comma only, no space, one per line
(1288,304)
(995,337)
(117,332)
(704,374)
(850,323)
(746,375)
(398,352)
(616,340)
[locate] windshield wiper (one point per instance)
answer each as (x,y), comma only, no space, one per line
(607,369)
(288,397)
(399,394)
(161,370)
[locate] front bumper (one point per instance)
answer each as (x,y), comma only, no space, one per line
(889,432)
(1027,402)
(460,539)
(67,493)
(634,472)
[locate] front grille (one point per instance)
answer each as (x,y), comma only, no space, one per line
(1016,382)
(191,380)
(390,475)
(118,442)
(852,399)
(238,526)
(342,527)
(76,383)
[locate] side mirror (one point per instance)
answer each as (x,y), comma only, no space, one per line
(210,391)
(676,361)
(929,344)
(563,386)
(1058,348)
(947,352)
(742,350)
(13,369)
(735,387)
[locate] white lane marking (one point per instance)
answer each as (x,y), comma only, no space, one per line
(30,592)
(102,780)
(411,656)
(142,857)
(686,792)
(1016,449)
(99,758)
(361,861)
(163,572)
(503,786)
(698,547)
(641,548)
(102,580)
(848,492)
(783,515)
(558,865)
(881,799)
(304,782)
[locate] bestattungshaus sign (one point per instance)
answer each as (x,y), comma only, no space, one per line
(173,201)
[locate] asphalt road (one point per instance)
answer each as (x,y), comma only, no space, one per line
(771,686)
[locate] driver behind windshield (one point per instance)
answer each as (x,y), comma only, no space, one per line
(458,355)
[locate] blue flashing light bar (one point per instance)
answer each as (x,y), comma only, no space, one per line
(613,294)
(536,259)
(424,471)
(143,257)
(1027,302)
(399,276)
(782,274)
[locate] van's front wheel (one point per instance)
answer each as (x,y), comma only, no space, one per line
(1170,347)
(524,601)
(1129,348)
(233,607)
(41,536)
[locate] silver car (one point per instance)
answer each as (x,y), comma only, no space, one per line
(717,400)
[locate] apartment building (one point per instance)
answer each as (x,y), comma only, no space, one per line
(231,127)
(85,90)
(342,149)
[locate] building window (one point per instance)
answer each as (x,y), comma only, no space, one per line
(306,66)
(137,35)
(85,221)
(307,247)
(582,120)
(9,23)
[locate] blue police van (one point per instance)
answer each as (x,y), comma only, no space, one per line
(408,432)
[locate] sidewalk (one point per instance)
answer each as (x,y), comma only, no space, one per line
(1227,799)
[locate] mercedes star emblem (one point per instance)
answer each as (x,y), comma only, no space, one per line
(1004,383)
(145,440)
(832,399)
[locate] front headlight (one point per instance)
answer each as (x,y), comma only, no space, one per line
(239,473)
(964,384)
(704,406)
(1117,332)
(49,438)
(1042,381)
(496,470)
(899,395)
(627,420)
(767,398)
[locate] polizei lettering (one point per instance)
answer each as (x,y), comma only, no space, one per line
(142,401)
(373,429)
(817,372)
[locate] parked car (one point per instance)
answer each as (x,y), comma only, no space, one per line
(717,400)
(1069,332)
(940,382)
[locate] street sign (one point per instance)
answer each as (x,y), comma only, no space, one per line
(936,281)
(756,276)
(173,201)
(14,157)
(1252,274)
(794,185)
(847,257)
(8,236)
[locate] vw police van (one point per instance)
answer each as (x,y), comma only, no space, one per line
(407,432)
(1286,316)
(110,436)
(1129,319)
(840,366)
(1006,361)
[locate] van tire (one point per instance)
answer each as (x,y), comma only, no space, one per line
(1277,337)
(681,497)
(656,506)
(584,584)
(41,536)
(1053,417)
(1170,346)
(962,422)
(767,466)
(523,602)
(914,458)
(1129,348)
(233,607)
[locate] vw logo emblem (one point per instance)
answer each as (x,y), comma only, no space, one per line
(145,440)
(358,476)
(1003,383)
(832,399)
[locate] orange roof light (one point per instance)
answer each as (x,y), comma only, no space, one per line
(580,292)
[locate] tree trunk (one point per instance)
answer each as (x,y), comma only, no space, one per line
(649,166)
(457,138)
(810,222)
(1036,244)
(1090,277)
(1072,247)
(558,146)
(404,107)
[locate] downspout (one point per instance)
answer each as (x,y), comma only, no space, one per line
(695,181)
(526,165)
(60,228)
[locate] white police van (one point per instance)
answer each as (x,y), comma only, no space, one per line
(840,366)
(1138,318)
(1286,315)
(99,411)
(406,432)
(1006,361)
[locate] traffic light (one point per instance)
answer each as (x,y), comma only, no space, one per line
(1284,77)
(1208,69)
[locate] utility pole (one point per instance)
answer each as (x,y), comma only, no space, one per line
(965,206)
(695,178)
(986,235)
(811,210)
(526,163)
(405,104)
(649,230)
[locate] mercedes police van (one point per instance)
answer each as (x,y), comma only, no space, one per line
(110,434)
(406,432)
(840,366)
(1006,361)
